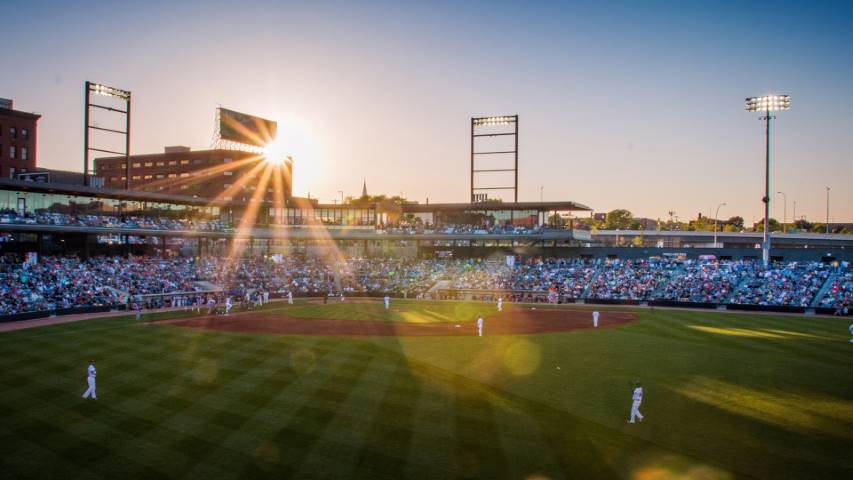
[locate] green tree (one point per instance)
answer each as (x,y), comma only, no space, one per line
(736,222)
(619,219)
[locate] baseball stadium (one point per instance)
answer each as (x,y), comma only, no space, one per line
(183,314)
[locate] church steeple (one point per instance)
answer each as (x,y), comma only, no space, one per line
(364,188)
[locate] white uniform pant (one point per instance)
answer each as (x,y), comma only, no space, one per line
(91,391)
(480,331)
(595,322)
(386,305)
(635,411)
(500,307)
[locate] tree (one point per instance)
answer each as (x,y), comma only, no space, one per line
(619,219)
(736,222)
(775,226)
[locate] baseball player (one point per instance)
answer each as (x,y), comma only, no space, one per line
(851,332)
(500,304)
(228,305)
(480,326)
(595,316)
(289,297)
(637,400)
(387,302)
(90,379)
(267,297)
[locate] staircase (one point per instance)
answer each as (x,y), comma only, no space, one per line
(823,289)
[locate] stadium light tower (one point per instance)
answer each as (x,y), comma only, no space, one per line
(92,88)
(766,105)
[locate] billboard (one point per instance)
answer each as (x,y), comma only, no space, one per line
(244,128)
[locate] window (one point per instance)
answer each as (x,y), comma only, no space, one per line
(25,134)
(226,185)
(149,164)
(226,160)
(184,187)
(13,132)
(160,164)
(136,177)
(184,175)
(12,172)
(160,175)
(228,174)
(113,179)
(24,153)
(147,177)
(185,162)
(173,175)
(173,162)
(12,152)
(123,179)
(137,165)
(198,161)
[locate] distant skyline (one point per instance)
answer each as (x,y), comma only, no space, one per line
(622,105)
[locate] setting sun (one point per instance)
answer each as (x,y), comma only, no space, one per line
(274,153)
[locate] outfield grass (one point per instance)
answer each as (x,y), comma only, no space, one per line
(727,396)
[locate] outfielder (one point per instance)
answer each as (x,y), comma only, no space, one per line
(90,379)
(851,332)
(289,297)
(480,326)
(387,302)
(500,304)
(228,305)
(595,316)
(637,400)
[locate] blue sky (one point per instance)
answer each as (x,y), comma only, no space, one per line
(636,105)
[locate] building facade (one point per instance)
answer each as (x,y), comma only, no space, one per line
(226,175)
(18,140)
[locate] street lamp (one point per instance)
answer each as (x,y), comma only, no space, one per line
(784,212)
(716,214)
(766,105)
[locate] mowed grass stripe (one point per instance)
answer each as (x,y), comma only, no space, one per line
(336,453)
(293,441)
(384,452)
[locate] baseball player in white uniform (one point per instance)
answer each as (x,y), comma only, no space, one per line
(635,406)
(228,305)
(500,304)
(480,326)
(387,302)
(289,297)
(90,379)
(595,316)
(851,332)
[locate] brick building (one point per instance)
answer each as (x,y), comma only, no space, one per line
(200,173)
(18,134)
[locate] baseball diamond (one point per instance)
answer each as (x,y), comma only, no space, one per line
(225,398)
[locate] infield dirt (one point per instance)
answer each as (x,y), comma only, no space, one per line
(513,322)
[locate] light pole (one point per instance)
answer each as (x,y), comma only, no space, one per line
(784,212)
(716,214)
(541,189)
(827,209)
(342,196)
(766,105)
(795,212)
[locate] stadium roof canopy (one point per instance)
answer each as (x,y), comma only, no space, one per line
(493,206)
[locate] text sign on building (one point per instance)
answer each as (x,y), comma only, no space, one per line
(244,128)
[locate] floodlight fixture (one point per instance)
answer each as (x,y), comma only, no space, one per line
(498,120)
(99,89)
(766,105)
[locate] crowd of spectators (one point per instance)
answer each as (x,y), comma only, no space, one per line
(65,282)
